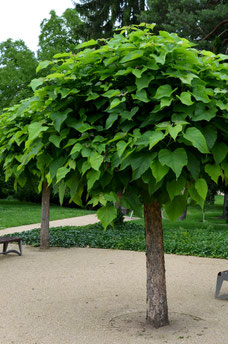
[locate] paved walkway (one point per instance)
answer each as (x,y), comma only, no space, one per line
(73,221)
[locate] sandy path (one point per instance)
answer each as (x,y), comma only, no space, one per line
(95,296)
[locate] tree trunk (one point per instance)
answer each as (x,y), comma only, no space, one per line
(224,213)
(157,308)
(44,230)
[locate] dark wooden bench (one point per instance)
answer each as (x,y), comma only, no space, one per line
(6,240)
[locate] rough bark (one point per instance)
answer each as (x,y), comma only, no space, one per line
(44,230)
(157,308)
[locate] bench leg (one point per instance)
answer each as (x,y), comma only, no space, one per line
(218,284)
(20,247)
(5,246)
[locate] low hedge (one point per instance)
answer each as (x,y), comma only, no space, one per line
(207,241)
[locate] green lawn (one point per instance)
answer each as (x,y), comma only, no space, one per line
(14,213)
(189,237)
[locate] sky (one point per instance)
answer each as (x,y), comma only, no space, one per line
(20,19)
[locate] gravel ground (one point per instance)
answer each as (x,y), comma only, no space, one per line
(95,296)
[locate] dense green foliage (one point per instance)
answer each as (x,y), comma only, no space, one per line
(17,69)
(58,34)
(141,115)
(100,17)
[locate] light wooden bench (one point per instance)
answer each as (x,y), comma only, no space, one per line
(6,240)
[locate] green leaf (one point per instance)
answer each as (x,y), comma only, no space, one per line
(213,171)
(176,207)
(174,130)
(59,117)
(85,167)
(76,148)
(86,44)
(185,98)
(150,138)
(61,173)
(193,165)
(62,189)
(56,140)
(141,95)
(78,125)
(197,139)
(95,160)
(42,65)
(92,96)
(165,102)
(72,164)
(199,92)
(115,102)
(175,160)
(222,105)
(195,196)
(36,83)
(132,56)
(106,215)
(163,91)
(121,146)
(220,151)
(175,187)
(210,134)
(124,71)
(110,120)
(201,188)
(140,163)
(203,113)
(158,170)
(138,72)
(155,137)
(111,93)
(92,177)
(56,164)
(143,81)
(34,130)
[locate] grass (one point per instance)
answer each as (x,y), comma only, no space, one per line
(14,213)
(189,237)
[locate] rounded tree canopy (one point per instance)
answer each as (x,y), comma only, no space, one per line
(141,116)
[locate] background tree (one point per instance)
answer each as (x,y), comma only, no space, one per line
(192,19)
(17,69)
(142,115)
(25,158)
(58,34)
(101,17)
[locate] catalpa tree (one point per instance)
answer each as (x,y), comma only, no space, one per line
(140,119)
(24,155)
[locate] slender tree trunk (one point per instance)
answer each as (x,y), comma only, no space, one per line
(44,230)
(224,213)
(157,308)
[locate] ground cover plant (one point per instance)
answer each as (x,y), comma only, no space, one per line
(189,237)
(14,213)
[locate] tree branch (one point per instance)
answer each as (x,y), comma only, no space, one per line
(215,29)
